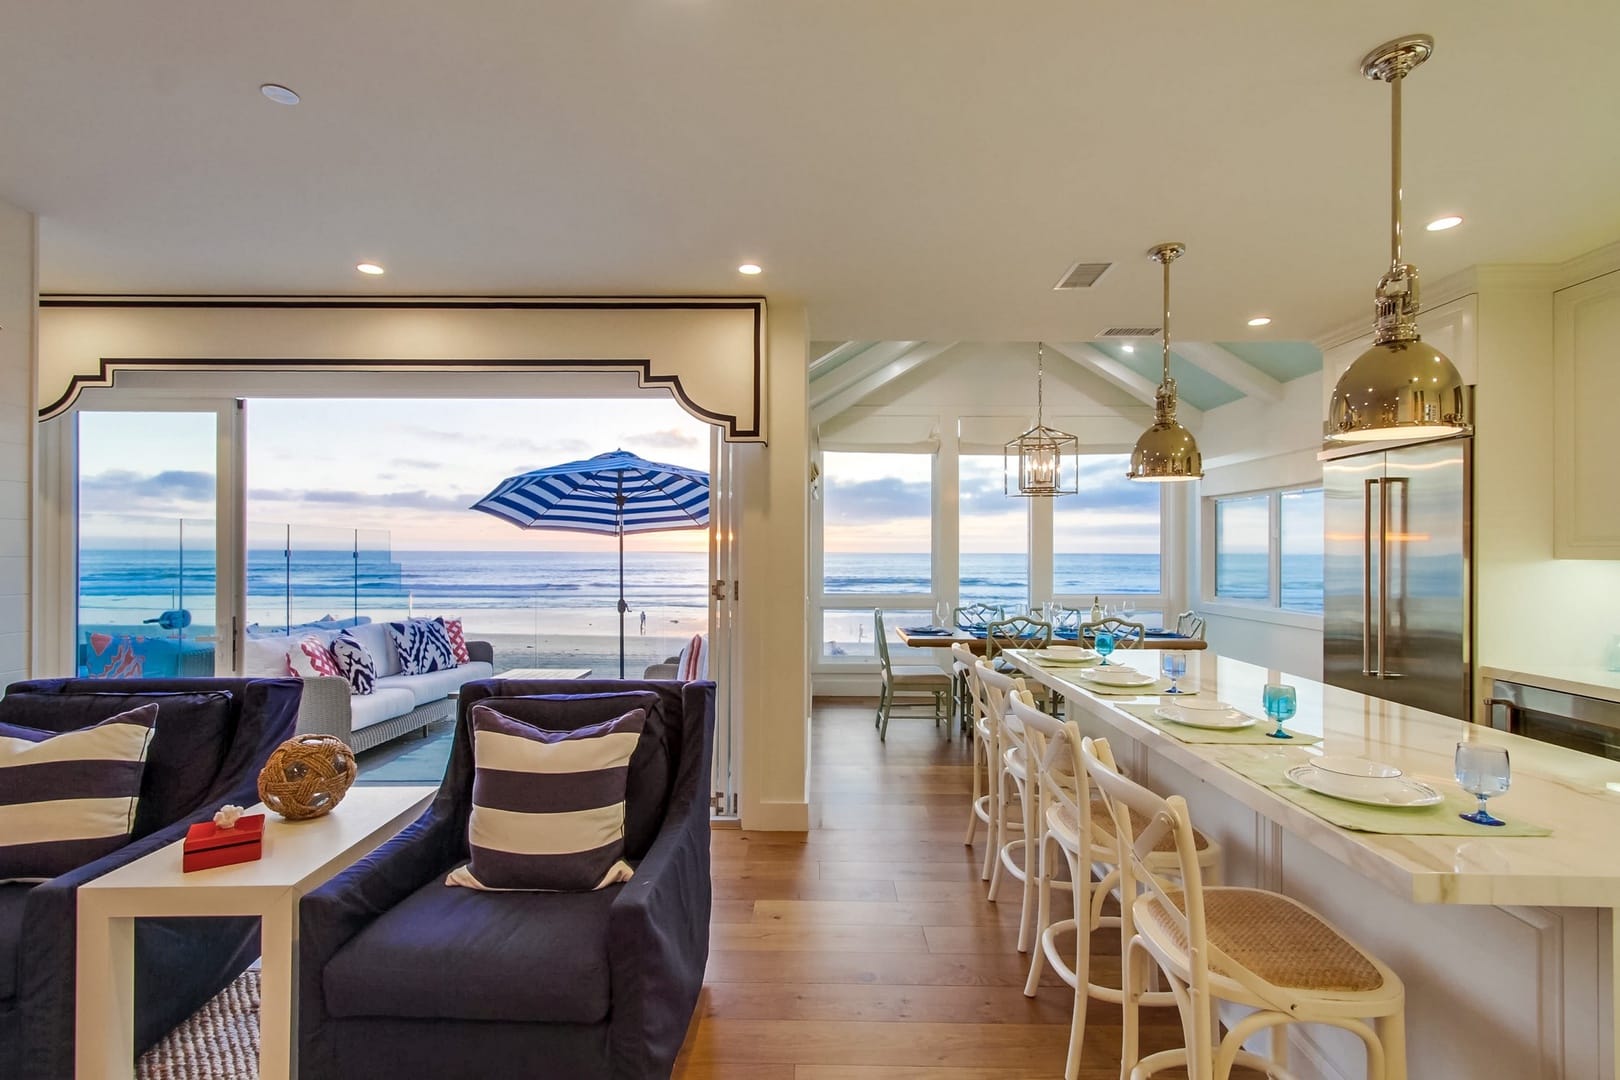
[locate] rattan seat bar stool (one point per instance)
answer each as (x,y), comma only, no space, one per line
(1257,949)
(1076,823)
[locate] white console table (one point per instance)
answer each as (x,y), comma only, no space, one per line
(298,856)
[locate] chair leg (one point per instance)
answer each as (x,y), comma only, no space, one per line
(1392,1033)
(1043,915)
(1001,833)
(978,784)
(1034,866)
(885,703)
(1133,975)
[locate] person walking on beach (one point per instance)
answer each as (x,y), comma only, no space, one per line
(643,624)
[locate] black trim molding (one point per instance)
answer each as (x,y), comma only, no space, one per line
(740,429)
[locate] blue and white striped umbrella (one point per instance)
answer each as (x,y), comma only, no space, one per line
(613,493)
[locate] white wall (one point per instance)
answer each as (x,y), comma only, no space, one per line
(18,293)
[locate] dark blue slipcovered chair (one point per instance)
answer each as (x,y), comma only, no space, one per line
(212,738)
(404,978)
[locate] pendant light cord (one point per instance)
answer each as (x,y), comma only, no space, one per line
(1395,168)
(1166,327)
(1040,383)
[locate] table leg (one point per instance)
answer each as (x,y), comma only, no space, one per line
(278,991)
(104,1011)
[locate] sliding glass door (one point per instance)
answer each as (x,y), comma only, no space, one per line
(152,601)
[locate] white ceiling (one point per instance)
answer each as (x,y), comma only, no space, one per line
(910,169)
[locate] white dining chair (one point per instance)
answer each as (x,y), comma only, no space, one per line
(1073,820)
(1010,780)
(1257,949)
(977,720)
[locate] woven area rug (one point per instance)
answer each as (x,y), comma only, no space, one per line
(220,1042)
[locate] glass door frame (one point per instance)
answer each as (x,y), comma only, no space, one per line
(56,608)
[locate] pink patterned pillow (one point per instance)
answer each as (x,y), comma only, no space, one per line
(458,640)
(318,655)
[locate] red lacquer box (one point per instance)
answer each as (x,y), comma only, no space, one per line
(207,845)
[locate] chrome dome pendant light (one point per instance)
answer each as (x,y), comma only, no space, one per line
(1166,451)
(1046,459)
(1399,388)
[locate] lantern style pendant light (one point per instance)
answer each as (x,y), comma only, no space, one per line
(1047,460)
(1399,388)
(1166,451)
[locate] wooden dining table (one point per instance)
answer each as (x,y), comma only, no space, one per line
(977,644)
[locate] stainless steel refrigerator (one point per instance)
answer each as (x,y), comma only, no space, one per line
(1397,575)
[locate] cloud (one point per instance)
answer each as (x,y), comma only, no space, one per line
(123,487)
(416,499)
(667,439)
(883,499)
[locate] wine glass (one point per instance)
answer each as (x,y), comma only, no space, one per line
(1482,771)
(1103,642)
(1173,662)
(1127,608)
(1281,703)
(942,614)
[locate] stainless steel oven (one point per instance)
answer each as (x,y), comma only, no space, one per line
(1591,725)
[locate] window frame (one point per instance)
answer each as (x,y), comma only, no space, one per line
(1271,607)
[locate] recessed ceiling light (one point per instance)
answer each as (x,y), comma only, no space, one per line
(750,268)
(279,94)
(1441,224)
(369,268)
(1260,320)
(1128,347)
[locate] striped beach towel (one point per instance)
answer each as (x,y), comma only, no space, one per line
(68,798)
(548,806)
(694,660)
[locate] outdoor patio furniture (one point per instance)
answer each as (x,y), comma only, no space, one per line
(210,740)
(405,978)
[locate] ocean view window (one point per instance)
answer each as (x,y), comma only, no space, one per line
(877,523)
(994,535)
(1106,538)
(1243,548)
(1300,546)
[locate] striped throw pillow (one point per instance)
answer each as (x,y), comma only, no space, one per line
(548,806)
(68,798)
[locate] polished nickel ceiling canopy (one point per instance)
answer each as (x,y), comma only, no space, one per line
(1046,461)
(1399,388)
(1166,451)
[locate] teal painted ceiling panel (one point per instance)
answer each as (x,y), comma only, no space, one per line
(1194,385)
(1282,360)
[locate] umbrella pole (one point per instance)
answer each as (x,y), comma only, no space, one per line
(622,605)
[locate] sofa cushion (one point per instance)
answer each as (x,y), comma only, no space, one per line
(436,685)
(423,646)
(311,657)
(548,806)
(458,640)
(193,734)
(13,898)
(269,656)
(68,798)
(374,636)
(355,663)
(377,706)
(525,956)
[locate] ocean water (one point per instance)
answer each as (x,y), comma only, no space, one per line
(991,578)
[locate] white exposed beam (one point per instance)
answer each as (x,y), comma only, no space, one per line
(835,356)
(853,371)
(1116,374)
(1231,369)
(919,353)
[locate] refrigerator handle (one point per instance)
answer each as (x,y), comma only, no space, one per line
(1386,489)
(1366,577)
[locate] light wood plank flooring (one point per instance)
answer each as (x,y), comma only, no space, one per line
(866,950)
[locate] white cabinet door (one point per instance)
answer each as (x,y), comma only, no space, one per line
(1586,386)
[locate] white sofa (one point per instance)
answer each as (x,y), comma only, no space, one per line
(400,703)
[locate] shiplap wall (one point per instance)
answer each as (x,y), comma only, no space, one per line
(17,307)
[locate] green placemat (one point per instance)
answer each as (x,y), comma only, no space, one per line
(1249,736)
(1267,768)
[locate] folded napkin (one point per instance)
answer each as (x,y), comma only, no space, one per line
(935,631)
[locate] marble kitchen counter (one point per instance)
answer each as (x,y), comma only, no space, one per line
(1576,795)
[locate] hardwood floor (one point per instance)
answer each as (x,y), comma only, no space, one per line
(865,949)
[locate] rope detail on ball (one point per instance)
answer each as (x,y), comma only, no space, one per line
(307,776)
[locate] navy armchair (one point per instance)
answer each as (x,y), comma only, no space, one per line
(212,738)
(403,977)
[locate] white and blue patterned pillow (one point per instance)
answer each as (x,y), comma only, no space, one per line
(423,646)
(67,799)
(355,663)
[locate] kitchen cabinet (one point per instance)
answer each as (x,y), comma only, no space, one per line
(1586,389)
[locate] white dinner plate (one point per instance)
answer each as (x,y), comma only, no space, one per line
(1204,705)
(1225,720)
(1118,675)
(1401,792)
(1067,654)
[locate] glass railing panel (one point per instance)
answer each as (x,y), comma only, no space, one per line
(146,597)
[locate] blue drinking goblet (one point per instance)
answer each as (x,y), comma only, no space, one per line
(1104,644)
(1174,665)
(1281,703)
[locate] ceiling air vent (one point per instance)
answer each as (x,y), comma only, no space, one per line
(1129,331)
(1082,275)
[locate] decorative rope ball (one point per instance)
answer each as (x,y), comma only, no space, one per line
(307,776)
